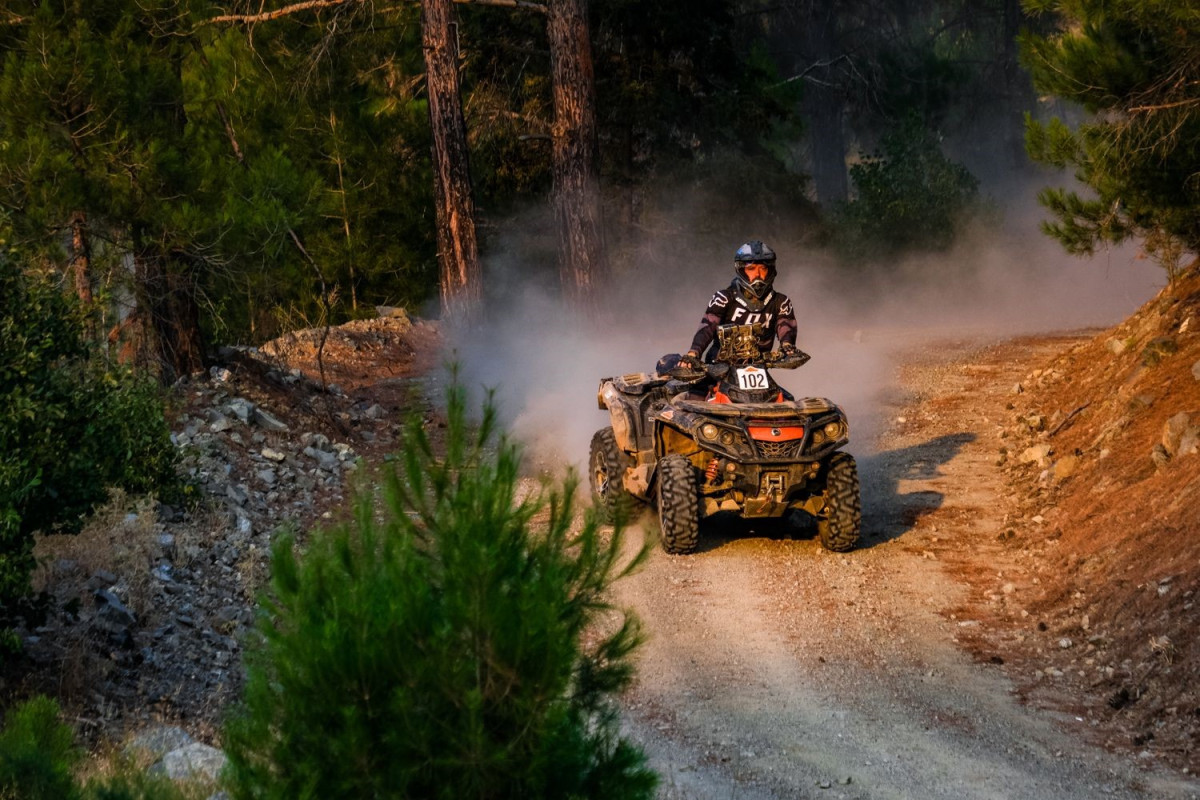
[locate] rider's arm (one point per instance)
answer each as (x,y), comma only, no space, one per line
(709,323)
(785,323)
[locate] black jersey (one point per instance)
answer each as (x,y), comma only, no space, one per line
(728,307)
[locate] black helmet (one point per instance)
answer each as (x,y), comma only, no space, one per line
(754,252)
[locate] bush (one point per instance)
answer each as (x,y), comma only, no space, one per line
(435,646)
(71,425)
(37,752)
(908,198)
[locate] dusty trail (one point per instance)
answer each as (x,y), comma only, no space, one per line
(776,669)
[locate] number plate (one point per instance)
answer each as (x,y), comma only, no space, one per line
(752,378)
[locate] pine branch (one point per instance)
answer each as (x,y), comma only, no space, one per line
(309,5)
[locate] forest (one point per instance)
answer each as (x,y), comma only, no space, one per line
(177,175)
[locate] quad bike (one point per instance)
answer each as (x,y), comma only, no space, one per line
(724,438)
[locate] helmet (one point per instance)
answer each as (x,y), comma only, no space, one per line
(754,252)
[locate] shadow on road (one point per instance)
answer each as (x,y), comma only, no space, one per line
(888,513)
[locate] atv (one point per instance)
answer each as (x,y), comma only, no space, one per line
(723,436)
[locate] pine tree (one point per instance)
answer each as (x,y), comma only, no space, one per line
(1134,66)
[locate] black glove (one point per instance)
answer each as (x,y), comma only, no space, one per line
(790,351)
(689,361)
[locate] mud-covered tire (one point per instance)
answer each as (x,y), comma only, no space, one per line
(840,524)
(678,505)
(606,475)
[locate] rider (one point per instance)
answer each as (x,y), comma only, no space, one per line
(748,300)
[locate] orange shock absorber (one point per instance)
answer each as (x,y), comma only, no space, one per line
(714,467)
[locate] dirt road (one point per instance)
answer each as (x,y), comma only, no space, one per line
(776,669)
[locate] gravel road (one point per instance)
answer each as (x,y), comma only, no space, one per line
(776,669)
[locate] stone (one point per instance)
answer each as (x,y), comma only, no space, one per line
(1065,467)
(220,424)
(272,455)
(265,420)
(193,761)
(158,741)
(1038,453)
(267,476)
(376,411)
(241,408)
(326,460)
(1115,346)
(1177,427)
(1158,349)
(317,441)
(220,374)
(1160,456)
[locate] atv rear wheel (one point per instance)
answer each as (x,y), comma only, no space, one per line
(841,522)
(678,505)
(607,475)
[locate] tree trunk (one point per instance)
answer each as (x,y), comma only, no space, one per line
(460,279)
(583,259)
(170,318)
(823,103)
(81,258)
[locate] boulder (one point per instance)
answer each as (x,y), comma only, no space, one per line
(1180,433)
(1038,454)
(193,761)
(1158,349)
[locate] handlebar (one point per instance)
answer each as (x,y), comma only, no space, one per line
(772,359)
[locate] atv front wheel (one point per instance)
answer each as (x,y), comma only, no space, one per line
(841,521)
(607,473)
(678,505)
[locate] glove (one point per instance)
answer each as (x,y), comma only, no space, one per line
(788,349)
(689,361)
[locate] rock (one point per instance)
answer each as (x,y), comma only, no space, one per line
(1158,349)
(1039,454)
(1160,456)
(220,374)
(1115,346)
(241,408)
(193,761)
(101,579)
(114,618)
(1065,643)
(1065,467)
(264,420)
(1196,370)
(317,441)
(272,455)
(326,460)
(1035,422)
(221,423)
(376,411)
(1184,425)
(156,742)
(267,476)
(237,493)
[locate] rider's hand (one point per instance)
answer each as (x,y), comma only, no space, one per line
(690,361)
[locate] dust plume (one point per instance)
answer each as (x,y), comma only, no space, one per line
(545,362)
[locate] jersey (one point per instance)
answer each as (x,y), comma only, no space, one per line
(728,307)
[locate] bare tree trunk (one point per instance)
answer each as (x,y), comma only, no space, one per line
(460,278)
(80,265)
(823,103)
(170,339)
(583,258)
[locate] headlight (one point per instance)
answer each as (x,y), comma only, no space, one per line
(833,430)
(709,431)
(726,438)
(818,437)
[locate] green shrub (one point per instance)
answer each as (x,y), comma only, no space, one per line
(435,646)
(908,198)
(71,425)
(37,753)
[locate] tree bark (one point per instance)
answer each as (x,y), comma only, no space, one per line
(823,104)
(460,278)
(171,342)
(583,258)
(81,258)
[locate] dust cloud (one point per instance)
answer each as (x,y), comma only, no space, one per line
(544,361)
